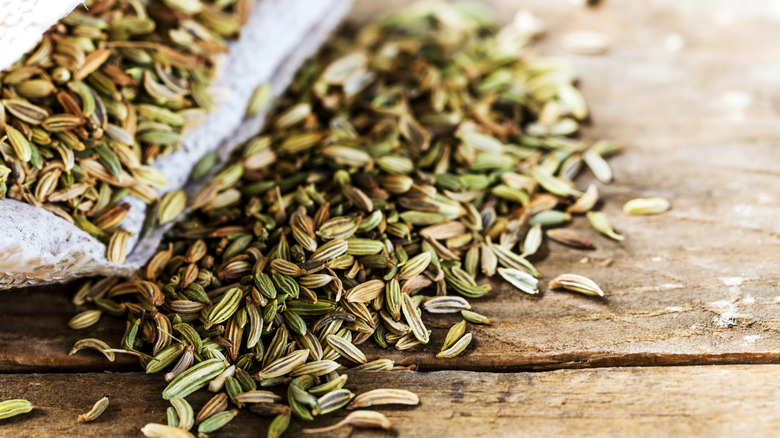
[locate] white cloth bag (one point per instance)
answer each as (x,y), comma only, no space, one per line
(37,247)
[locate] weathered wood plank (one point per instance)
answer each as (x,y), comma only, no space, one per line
(695,285)
(34,334)
(667,401)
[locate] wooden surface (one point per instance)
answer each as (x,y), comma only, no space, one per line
(658,401)
(697,285)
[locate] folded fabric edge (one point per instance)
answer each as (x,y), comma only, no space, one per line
(42,261)
(22,22)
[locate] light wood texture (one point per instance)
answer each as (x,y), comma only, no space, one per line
(711,401)
(700,126)
(697,285)
(693,286)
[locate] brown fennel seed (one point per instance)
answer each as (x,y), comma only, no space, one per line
(359,419)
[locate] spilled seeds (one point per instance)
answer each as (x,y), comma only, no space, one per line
(405,166)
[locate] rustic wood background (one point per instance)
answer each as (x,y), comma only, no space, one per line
(690,89)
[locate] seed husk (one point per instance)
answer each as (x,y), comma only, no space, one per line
(225,307)
(184,413)
(413,319)
(19,143)
(164,358)
(216,384)
(576,283)
(172,417)
(550,218)
(489,260)
(474,317)
(331,250)
(259,99)
(443,231)
(243,377)
(216,404)
(269,409)
(358,198)
(446,304)
(598,165)
(95,344)
(117,247)
(533,240)
(233,389)
(12,408)
(85,319)
(258,396)
(171,205)
(97,410)
(512,260)
(601,223)
(520,279)
(279,425)
(184,363)
(569,237)
(457,348)
(332,401)
(194,378)
(646,206)
(217,421)
(456,332)
(384,397)
(586,42)
(415,266)
(365,292)
(154,430)
(552,184)
(346,349)
(316,368)
(375,365)
(283,365)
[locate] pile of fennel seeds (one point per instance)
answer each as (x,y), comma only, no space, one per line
(109,88)
(405,165)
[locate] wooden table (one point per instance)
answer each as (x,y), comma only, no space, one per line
(683,344)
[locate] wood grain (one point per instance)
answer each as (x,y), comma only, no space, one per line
(708,401)
(697,285)
(694,286)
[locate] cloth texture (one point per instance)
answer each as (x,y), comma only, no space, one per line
(37,247)
(22,22)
